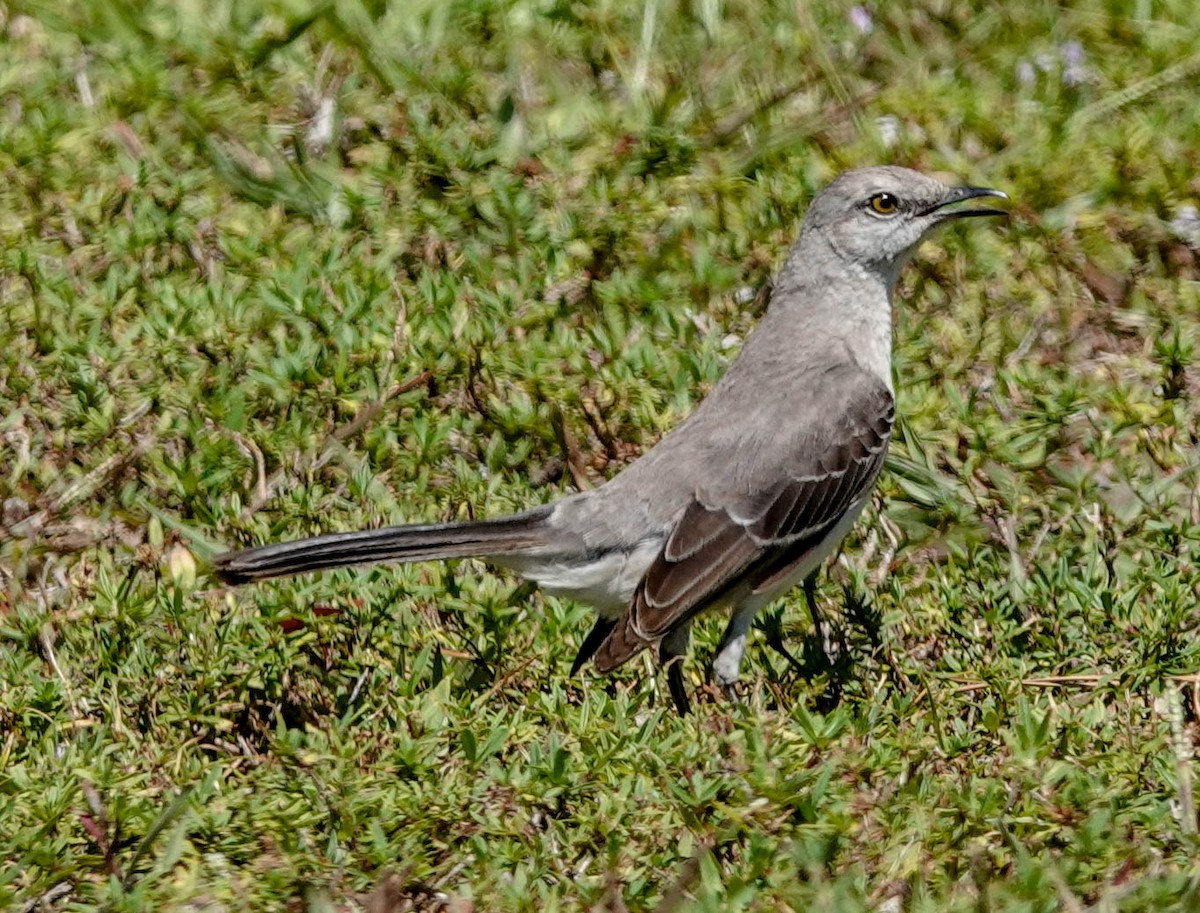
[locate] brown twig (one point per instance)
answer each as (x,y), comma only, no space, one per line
(474,369)
(676,894)
(576,464)
(265,489)
(1181,746)
(47,900)
(98,477)
(370,411)
(1080,680)
(596,420)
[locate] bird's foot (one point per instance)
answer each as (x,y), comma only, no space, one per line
(727,664)
(730,691)
(829,699)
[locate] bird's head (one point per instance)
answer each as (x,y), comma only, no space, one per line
(875,217)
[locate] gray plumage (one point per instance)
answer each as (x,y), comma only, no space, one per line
(751,492)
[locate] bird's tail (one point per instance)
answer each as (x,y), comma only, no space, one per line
(429,542)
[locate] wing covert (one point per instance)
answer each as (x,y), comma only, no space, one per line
(754,533)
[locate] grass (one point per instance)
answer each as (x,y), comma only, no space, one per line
(269,268)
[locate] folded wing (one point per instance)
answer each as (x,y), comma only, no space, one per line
(748,536)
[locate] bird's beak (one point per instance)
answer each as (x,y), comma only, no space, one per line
(957,195)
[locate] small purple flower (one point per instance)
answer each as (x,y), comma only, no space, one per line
(889,129)
(1072,54)
(1074,70)
(861,19)
(1026,74)
(1186,223)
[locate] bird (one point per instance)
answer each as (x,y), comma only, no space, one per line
(747,495)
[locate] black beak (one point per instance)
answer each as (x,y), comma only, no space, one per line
(957,195)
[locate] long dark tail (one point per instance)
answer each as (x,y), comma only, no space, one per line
(391,543)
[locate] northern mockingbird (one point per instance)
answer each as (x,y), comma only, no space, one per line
(745,497)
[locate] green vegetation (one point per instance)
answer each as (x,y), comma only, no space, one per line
(269,268)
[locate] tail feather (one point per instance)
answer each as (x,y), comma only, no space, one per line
(620,645)
(392,543)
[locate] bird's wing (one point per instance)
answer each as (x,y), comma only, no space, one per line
(752,532)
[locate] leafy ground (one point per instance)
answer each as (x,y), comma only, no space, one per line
(273,268)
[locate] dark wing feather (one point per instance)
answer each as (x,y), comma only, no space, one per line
(702,530)
(755,537)
(700,570)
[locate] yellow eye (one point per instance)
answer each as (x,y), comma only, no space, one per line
(884,203)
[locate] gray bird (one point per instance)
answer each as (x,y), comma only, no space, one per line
(746,496)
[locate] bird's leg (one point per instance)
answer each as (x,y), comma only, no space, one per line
(727,664)
(824,646)
(834,664)
(810,596)
(671,650)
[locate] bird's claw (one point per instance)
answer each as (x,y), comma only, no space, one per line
(730,691)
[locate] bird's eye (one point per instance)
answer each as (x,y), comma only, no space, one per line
(884,204)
